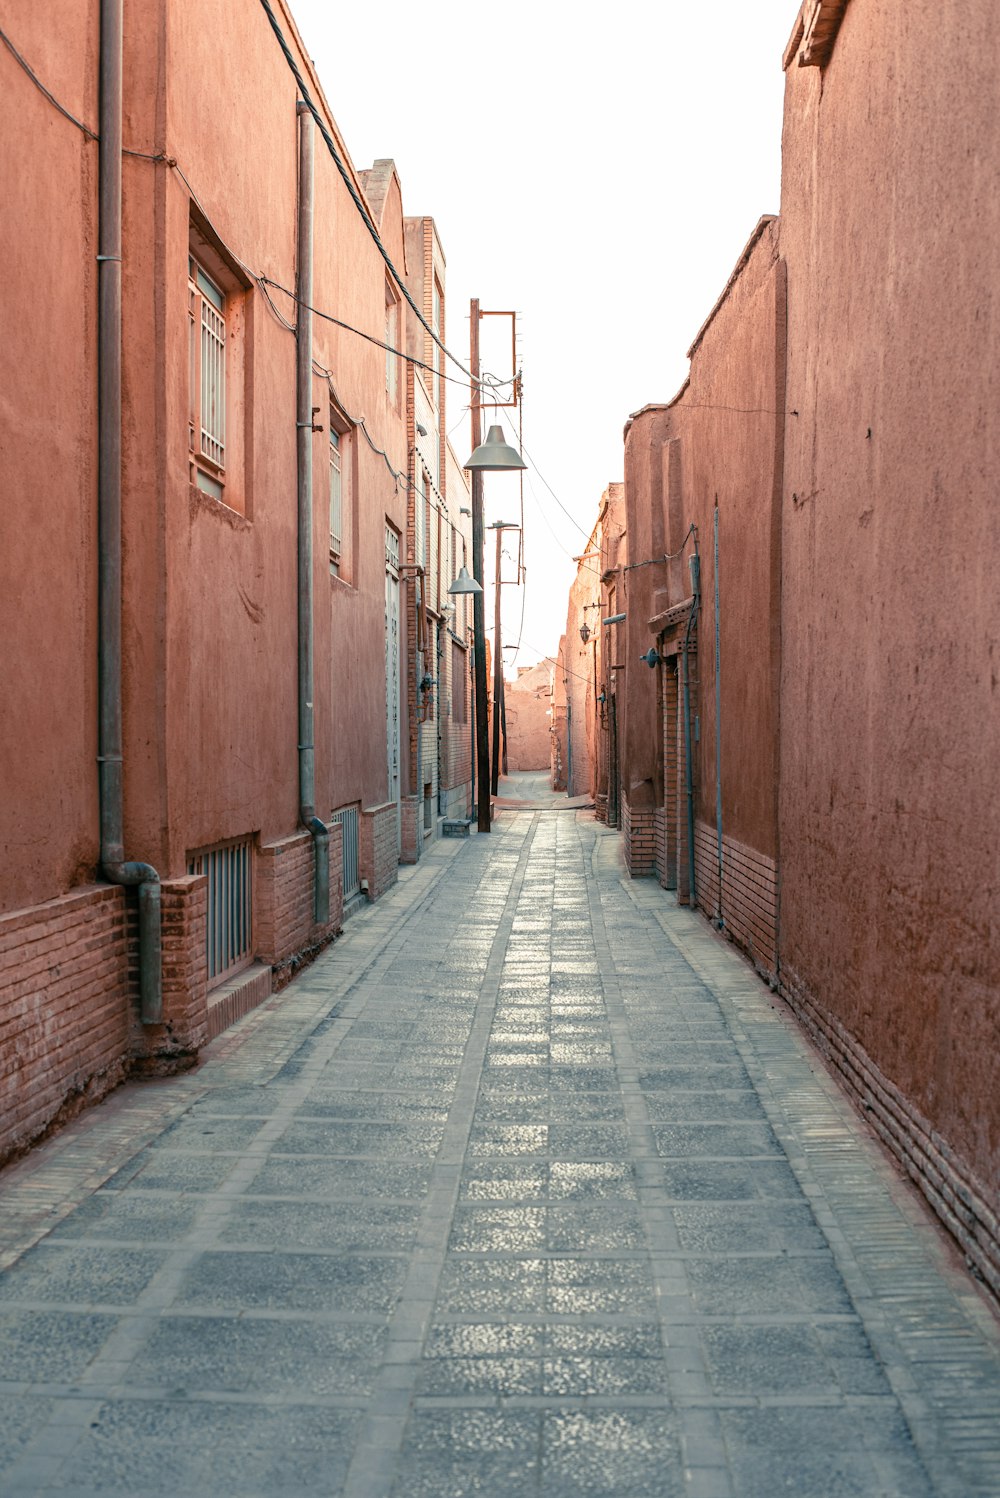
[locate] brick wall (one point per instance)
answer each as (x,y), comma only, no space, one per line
(64,1013)
(639,834)
(967,1206)
(749,905)
(172,1045)
(377,848)
(411,836)
(286,936)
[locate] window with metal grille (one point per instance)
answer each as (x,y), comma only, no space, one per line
(336,499)
(347,818)
(229,922)
(392,548)
(207,327)
(341,494)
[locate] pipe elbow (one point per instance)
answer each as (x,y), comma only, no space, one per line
(129,873)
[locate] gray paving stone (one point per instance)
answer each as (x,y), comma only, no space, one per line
(229,1450)
(574,1210)
(211,1354)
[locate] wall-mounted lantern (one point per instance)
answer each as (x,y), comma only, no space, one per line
(585,631)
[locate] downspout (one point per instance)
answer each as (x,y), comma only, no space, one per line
(718,723)
(304,443)
(109,524)
(695,565)
(569,742)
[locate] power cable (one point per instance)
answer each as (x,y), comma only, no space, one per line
(355,197)
(90,134)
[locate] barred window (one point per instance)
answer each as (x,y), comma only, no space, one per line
(207,427)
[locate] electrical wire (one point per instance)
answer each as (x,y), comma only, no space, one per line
(349,327)
(569,516)
(355,196)
(90,134)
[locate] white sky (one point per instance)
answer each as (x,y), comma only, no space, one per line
(597,171)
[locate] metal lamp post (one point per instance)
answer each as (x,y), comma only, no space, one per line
(492,456)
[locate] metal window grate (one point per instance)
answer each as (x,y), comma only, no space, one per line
(347,817)
(213,382)
(336,495)
(229,924)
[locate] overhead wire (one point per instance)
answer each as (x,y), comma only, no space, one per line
(88,132)
(355,196)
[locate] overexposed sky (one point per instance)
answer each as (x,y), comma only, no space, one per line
(598,171)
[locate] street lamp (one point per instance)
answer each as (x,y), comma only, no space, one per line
(492,456)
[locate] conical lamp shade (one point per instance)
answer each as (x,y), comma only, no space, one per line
(464,583)
(495,455)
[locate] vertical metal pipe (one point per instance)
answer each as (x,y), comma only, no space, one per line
(497,668)
(304,467)
(109,523)
(695,566)
(718,721)
(479,599)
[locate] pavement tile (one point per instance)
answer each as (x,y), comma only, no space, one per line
(575,1213)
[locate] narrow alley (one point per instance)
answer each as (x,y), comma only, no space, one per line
(527,1185)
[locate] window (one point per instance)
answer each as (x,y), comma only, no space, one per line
(229,906)
(218,315)
(392,339)
(207,426)
(341,495)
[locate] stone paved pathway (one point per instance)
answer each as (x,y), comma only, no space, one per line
(527,1186)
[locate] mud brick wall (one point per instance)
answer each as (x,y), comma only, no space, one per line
(969,1207)
(411,836)
(749,904)
(639,832)
(174,1044)
(377,853)
(284,930)
(64,1011)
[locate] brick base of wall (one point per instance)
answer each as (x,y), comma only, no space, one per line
(64,1012)
(287,936)
(639,834)
(173,1045)
(411,837)
(962,1202)
(242,994)
(749,906)
(377,856)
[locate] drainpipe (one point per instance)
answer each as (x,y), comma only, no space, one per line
(718,724)
(695,565)
(304,441)
(109,524)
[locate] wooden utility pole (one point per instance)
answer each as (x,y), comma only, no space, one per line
(479,599)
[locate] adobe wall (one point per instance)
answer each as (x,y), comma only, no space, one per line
(528,703)
(890,819)
(209,587)
(48,454)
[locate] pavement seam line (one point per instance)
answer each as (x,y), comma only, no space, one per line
(378,1446)
(725,973)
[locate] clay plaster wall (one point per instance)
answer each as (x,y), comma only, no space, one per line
(528,701)
(890,816)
